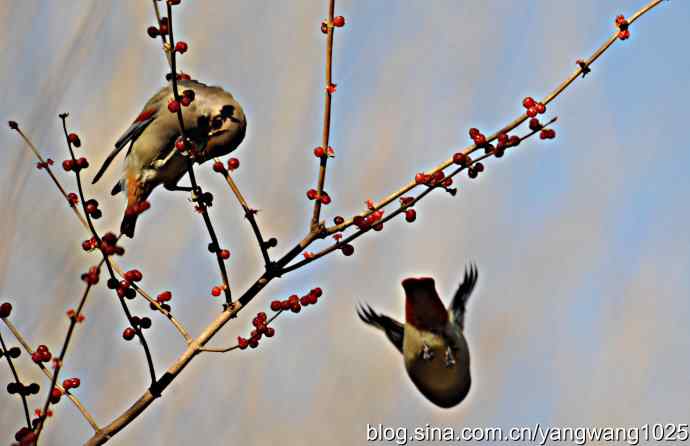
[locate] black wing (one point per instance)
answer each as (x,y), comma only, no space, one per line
(394,330)
(131,135)
(459,302)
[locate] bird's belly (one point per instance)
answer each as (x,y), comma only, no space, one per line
(442,383)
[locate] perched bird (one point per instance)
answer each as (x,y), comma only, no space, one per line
(432,343)
(214,124)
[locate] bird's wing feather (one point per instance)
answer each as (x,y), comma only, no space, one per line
(459,302)
(130,135)
(394,330)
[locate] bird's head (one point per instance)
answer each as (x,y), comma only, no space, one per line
(423,307)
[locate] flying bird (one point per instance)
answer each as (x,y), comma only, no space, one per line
(431,341)
(214,122)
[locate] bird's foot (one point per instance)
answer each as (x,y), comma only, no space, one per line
(427,354)
(450,362)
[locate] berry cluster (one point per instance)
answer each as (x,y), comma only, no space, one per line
(370,221)
(338,22)
(475,170)
(91,276)
(72,314)
(137,322)
(109,245)
(123,288)
(533,107)
(295,303)
(320,152)
(162,298)
(260,323)
(15,388)
(324,198)
(75,165)
(91,207)
(44,165)
(622,24)
(162,28)
(42,354)
(71,383)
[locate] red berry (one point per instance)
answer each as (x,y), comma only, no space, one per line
(164,296)
(173,106)
(181,47)
(133,275)
(312,194)
(514,140)
(215,291)
(544,134)
(534,124)
(185,101)
(74,139)
(410,215)
(532,112)
(528,102)
(421,178)
(218,167)
(242,343)
(347,250)
(184,77)
(378,227)
(325,198)
(502,139)
(128,334)
(479,140)
(152,31)
(72,198)
(620,20)
(305,300)
(55,393)
(174,2)
(296,307)
(233,163)
(275,305)
(5,309)
(552,133)
(479,167)
(474,132)
(319,152)
(318,292)
(270,331)
(224,254)
(541,108)
(624,34)
(461,159)
(75,382)
(499,152)
(331,88)
(82,163)
(338,220)
(339,21)
(472,172)
(253,342)
(67,165)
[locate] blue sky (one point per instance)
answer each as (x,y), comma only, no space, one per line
(580,316)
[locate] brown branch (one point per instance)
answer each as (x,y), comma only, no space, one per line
(403,208)
(85,413)
(507,128)
(248,213)
(61,358)
(231,311)
(326,117)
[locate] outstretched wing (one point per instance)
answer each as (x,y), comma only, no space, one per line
(458,304)
(394,330)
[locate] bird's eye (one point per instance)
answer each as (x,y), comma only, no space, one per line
(217,122)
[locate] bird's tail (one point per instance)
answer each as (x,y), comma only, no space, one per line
(129,221)
(136,196)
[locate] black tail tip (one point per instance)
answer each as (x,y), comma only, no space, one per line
(128,224)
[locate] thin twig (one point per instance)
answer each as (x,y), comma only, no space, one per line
(323,162)
(16,380)
(248,214)
(85,413)
(203,210)
(180,328)
(339,244)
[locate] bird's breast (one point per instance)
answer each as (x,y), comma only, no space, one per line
(444,381)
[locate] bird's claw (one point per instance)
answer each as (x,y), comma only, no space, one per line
(450,362)
(427,354)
